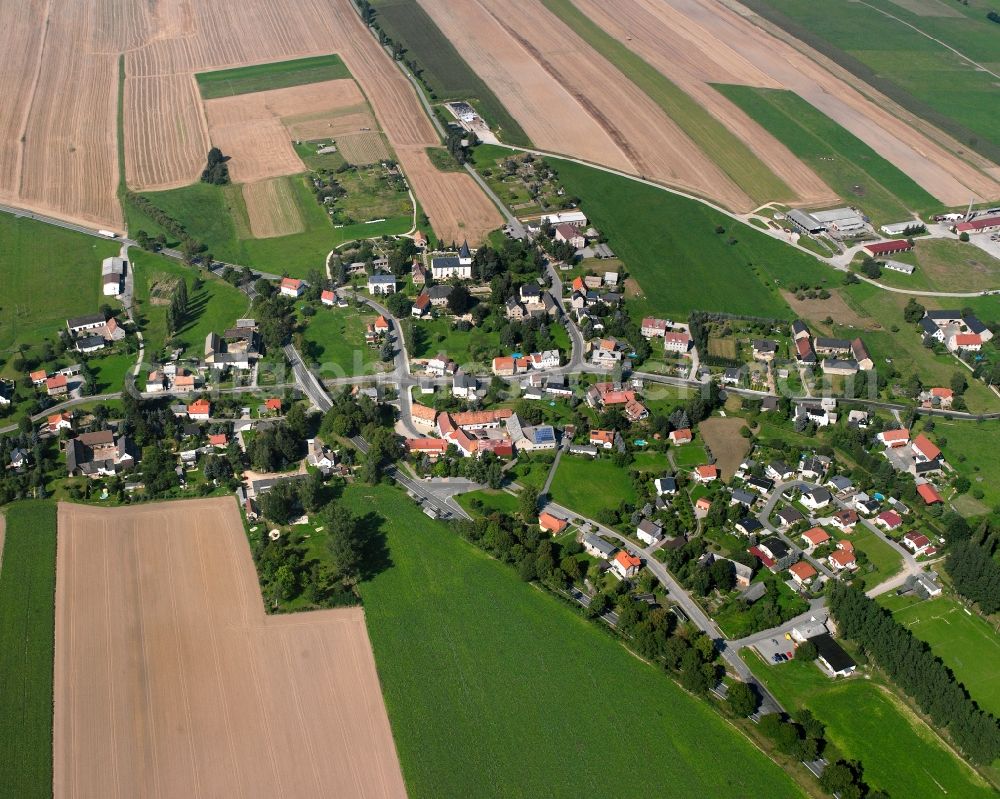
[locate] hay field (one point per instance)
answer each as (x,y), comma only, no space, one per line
(170,681)
(200,35)
(497,38)
(697,41)
(272,209)
(362,148)
(729,448)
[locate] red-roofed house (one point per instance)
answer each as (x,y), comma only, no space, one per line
(218,439)
(802,572)
(381,324)
(676,342)
(894,438)
(845,519)
(551,524)
(421,305)
(56,386)
(706,474)
(292,287)
(945,396)
(651,327)
(421,415)
(602,438)
(273,404)
(60,421)
(929,494)
(504,366)
(328,297)
(571,236)
(38,377)
(923,449)
(625,565)
(815,537)
(703,504)
(842,559)
(678,437)
(889,247)
(579,285)
(916,542)
(888,519)
(845,545)
(635,411)
(200,410)
(965,341)
(432,447)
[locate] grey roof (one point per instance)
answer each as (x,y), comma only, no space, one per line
(650,528)
(445,261)
(804,220)
(840,363)
(733,373)
(840,482)
(761,482)
(765,345)
(974,324)
(798,326)
(928,326)
(89,342)
(820,494)
(832,652)
(946,314)
(464,250)
(745,497)
(776,546)
(381,280)
(780,467)
(790,515)
(831,343)
(769,403)
(750,524)
(599,544)
(437,292)
(86,321)
(754,592)
(462,380)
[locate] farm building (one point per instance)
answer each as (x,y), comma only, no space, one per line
(899,266)
(986,224)
(844,221)
(889,247)
(899,228)
(574,218)
(804,222)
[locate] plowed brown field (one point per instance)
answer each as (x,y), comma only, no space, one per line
(58,92)
(697,42)
(170,680)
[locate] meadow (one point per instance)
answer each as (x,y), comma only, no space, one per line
(670,247)
(27,637)
(217,217)
(212,308)
(918,73)
(275,75)
(971,449)
(946,265)
(909,760)
(467,348)
(334,338)
(442,68)
(886,560)
(589,485)
(504,690)
(841,159)
(714,138)
(491,502)
(967,644)
(69,263)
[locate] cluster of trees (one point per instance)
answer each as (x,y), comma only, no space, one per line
(487,470)
(515,261)
(458,143)
(216,169)
(288,574)
(871,268)
(993,16)
(274,316)
(30,482)
(975,573)
(914,667)
(146,206)
(913,312)
(280,445)
(177,310)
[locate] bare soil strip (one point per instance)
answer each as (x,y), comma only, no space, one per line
(170,680)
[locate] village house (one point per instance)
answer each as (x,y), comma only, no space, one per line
(418,273)
(764,349)
(605,439)
(422,416)
(438,295)
(625,566)
(680,437)
(841,559)
(929,494)
(773,553)
(99,454)
(320,456)
(674,341)
(749,526)
(972,342)
(597,547)
(292,287)
(432,448)
(59,421)
(845,520)
(917,543)
(464,386)
(200,410)
(550,523)
(421,305)
(328,298)
(802,572)
(666,485)
(652,328)
(788,516)
(649,532)
(894,438)
(779,470)
(381,284)
(815,537)
(761,485)
(706,474)
(816,498)
(570,235)
(888,520)
(57,386)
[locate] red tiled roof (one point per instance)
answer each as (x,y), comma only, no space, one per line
(680,436)
(890,518)
(890,436)
(802,570)
(273,404)
(327,295)
(707,471)
(426,445)
(968,339)
(290,283)
(883,247)
(928,493)
(602,436)
(423,412)
(843,557)
(200,406)
(978,224)
(927,449)
(758,553)
(553,524)
(817,535)
(469,418)
(627,560)
(217,440)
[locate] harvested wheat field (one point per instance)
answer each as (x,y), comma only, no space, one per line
(697,42)
(362,148)
(170,680)
(497,37)
(272,209)
(199,35)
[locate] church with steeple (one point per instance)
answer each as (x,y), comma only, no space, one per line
(445,267)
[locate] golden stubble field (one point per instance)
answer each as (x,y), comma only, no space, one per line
(170,680)
(59,90)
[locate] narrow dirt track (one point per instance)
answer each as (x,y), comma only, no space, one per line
(170,680)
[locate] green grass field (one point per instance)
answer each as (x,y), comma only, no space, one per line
(444,70)
(27,632)
(718,142)
(883,557)
(504,691)
(47,274)
(276,75)
(971,449)
(690,455)
(217,216)
(110,370)
(670,246)
(212,308)
(840,158)
(335,339)
(900,754)
(493,502)
(946,265)
(469,348)
(588,485)
(967,643)
(920,74)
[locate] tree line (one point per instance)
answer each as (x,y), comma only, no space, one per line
(975,573)
(912,665)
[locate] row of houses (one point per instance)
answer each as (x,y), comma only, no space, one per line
(957,331)
(475,433)
(840,356)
